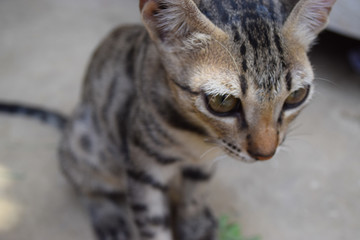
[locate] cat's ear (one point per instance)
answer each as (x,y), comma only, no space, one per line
(307,19)
(170,22)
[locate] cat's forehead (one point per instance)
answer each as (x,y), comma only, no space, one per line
(227,13)
(214,79)
(256,41)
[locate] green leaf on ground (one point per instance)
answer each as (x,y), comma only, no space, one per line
(231,231)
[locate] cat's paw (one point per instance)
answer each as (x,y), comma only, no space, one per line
(111,229)
(110,222)
(202,226)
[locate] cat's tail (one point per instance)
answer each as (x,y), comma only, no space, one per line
(52,118)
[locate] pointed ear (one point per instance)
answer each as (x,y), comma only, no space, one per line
(307,19)
(172,22)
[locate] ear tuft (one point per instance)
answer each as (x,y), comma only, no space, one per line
(141,4)
(316,14)
(308,19)
(166,19)
(173,22)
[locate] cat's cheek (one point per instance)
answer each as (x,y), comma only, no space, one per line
(282,137)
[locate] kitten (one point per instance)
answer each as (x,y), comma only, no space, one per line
(161,102)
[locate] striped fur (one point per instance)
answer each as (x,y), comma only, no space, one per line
(143,139)
(52,118)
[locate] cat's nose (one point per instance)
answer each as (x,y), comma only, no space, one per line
(262,144)
(261,157)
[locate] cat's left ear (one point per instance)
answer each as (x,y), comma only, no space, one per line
(171,22)
(308,19)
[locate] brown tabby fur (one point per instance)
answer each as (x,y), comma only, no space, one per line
(144,138)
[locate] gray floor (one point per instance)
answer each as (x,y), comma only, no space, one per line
(311,190)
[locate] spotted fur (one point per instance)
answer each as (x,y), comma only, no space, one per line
(143,139)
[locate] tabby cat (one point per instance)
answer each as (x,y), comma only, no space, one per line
(160,103)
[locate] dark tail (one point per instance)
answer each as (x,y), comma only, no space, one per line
(46,116)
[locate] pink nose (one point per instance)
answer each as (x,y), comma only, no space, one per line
(262,144)
(261,157)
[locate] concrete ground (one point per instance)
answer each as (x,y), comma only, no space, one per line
(311,190)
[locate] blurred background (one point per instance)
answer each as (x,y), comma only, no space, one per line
(311,190)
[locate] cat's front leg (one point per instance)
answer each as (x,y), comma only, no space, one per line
(194,218)
(150,205)
(110,216)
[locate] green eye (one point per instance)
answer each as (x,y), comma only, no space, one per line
(222,104)
(296,98)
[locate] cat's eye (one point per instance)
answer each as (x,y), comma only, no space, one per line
(296,98)
(223,105)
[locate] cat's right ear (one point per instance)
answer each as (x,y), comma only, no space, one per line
(171,22)
(307,19)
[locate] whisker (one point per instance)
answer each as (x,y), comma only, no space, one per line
(291,131)
(296,125)
(214,162)
(232,57)
(284,148)
(208,151)
(327,81)
(210,140)
(294,133)
(296,138)
(218,159)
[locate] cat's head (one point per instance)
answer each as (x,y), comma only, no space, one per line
(238,69)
